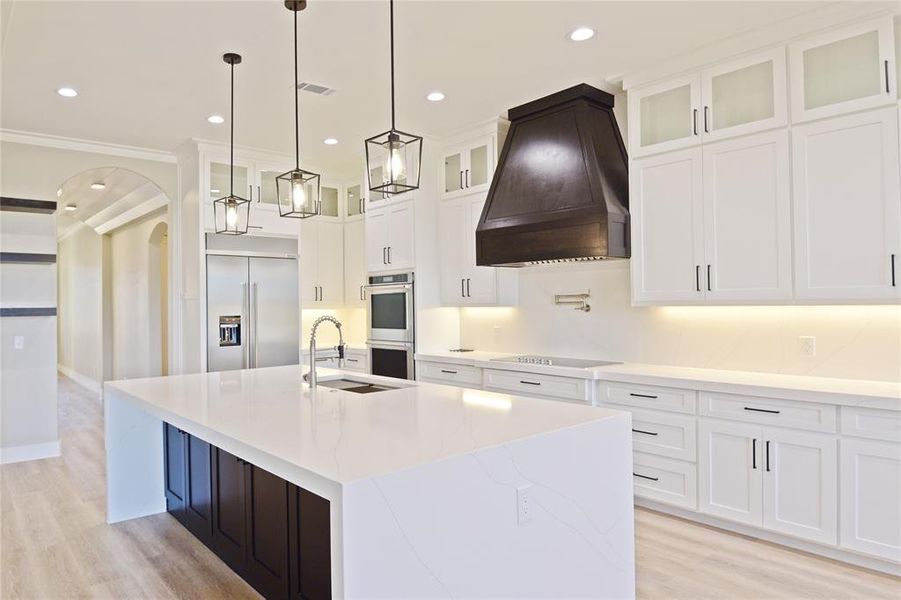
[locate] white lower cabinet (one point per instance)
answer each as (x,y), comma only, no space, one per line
(449,374)
(871,498)
(778,479)
(665,480)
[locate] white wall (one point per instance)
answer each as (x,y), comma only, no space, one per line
(135,338)
(28,421)
(80,309)
(859,342)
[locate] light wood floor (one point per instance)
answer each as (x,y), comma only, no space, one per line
(54,542)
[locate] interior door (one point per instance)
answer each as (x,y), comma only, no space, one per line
(747,218)
(267,533)
(847,212)
(481,284)
(275,311)
(801,484)
(730,470)
(226,296)
(667,227)
(330,259)
(229,522)
(377,239)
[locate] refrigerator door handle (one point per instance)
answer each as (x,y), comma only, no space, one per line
(245,316)
(253,295)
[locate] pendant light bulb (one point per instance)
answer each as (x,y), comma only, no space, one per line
(298,195)
(394,161)
(231,215)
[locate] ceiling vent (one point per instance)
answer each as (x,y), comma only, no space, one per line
(315,88)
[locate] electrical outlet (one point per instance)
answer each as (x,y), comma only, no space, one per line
(808,345)
(19,342)
(524,504)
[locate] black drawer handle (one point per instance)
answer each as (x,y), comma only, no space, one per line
(763,410)
(644,432)
(530,382)
(643,396)
(646,477)
(448,371)
(351,360)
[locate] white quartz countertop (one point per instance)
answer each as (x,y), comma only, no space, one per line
(344,436)
(852,392)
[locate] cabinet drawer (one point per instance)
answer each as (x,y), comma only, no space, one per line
(552,386)
(462,375)
(872,423)
(357,361)
(648,396)
(665,480)
(664,434)
(769,411)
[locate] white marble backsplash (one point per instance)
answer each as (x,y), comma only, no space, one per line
(857,342)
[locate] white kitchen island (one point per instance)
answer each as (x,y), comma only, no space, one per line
(433,491)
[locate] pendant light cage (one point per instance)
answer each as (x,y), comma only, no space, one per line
(393,158)
(231,213)
(298,190)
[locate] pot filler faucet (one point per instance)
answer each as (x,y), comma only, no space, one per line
(310,377)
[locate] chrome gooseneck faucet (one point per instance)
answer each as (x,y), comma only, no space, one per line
(310,377)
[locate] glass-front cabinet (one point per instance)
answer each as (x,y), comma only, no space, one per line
(468,168)
(329,203)
(353,200)
(218,180)
(664,116)
(844,70)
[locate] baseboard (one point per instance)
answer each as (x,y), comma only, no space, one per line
(82,380)
(14,454)
(830,552)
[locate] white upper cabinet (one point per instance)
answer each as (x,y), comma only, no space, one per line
(847,207)
(467,168)
(744,95)
(667,225)
(353,201)
(747,218)
(329,202)
(664,116)
(219,180)
(843,70)
(737,97)
(462,282)
(354,263)
(390,241)
(321,263)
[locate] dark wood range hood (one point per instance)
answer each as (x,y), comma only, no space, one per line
(561,188)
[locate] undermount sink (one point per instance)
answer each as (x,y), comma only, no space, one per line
(357,387)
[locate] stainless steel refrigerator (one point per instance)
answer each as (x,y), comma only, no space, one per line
(253,312)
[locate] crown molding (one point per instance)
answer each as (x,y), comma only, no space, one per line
(66,143)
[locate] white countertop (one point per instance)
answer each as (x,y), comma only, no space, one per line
(343,436)
(852,392)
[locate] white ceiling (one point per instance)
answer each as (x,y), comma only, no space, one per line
(149,73)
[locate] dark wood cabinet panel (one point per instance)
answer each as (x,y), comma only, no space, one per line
(267,532)
(174,457)
(311,546)
(229,506)
(198,513)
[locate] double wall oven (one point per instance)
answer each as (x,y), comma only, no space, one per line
(391,321)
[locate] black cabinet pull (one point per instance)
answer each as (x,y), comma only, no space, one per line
(389,255)
(642,396)
(694,121)
(462,288)
(754,453)
(384,260)
(467,178)
(646,477)
(644,432)
(708,278)
(448,371)
(461,180)
(530,382)
(351,360)
(763,410)
(893,271)
(768,456)
(887,91)
(706,130)
(698,277)
(468,292)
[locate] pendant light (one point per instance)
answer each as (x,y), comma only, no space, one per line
(393,158)
(297,190)
(231,213)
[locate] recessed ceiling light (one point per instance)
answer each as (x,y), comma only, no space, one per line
(214,191)
(71,207)
(98,185)
(581,34)
(67,92)
(216,119)
(435,97)
(329,141)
